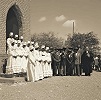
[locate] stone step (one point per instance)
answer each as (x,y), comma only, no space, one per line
(11,80)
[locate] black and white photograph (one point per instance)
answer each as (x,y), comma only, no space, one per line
(50,49)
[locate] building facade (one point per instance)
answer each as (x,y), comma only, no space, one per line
(14,17)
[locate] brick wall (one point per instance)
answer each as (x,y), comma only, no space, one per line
(24,8)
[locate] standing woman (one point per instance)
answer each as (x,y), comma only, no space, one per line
(37,63)
(87,60)
(31,66)
(48,62)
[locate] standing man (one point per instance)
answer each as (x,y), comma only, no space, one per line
(77,58)
(69,65)
(63,62)
(57,58)
(96,63)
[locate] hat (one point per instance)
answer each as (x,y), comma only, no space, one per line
(21,37)
(79,46)
(32,42)
(11,34)
(87,48)
(47,48)
(36,45)
(28,42)
(43,46)
(16,36)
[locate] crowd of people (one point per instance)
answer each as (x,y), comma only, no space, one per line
(72,62)
(38,62)
(28,58)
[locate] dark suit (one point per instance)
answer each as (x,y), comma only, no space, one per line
(56,59)
(69,65)
(63,63)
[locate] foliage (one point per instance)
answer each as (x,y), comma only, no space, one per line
(88,39)
(47,39)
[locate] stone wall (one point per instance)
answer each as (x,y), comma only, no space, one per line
(24,8)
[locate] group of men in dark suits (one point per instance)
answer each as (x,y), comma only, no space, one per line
(72,61)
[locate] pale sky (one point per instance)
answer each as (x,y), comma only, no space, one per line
(58,16)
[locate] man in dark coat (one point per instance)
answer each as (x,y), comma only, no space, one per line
(63,62)
(69,65)
(86,60)
(56,59)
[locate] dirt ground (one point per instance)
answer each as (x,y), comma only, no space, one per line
(55,88)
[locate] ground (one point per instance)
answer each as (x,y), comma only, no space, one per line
(55,88)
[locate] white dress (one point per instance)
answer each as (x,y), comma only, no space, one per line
(14,63)
(44,63)
(37,65)
(41,76)
(18,59)
(10,52)
(48,64)
(31,68)
(9,41)
(24,60)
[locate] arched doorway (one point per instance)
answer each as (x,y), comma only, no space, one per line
(13,20)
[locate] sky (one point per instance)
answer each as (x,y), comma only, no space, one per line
(58,16)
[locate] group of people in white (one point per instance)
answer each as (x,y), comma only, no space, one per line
(28,57)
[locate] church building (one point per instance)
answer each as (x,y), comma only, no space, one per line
(14,17)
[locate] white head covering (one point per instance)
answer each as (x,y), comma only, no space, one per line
(43,46)
(21,37)
(47,48)
(11,34)
(87,48)
(32,42)
(28,42)
(36,45)
(16,36)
